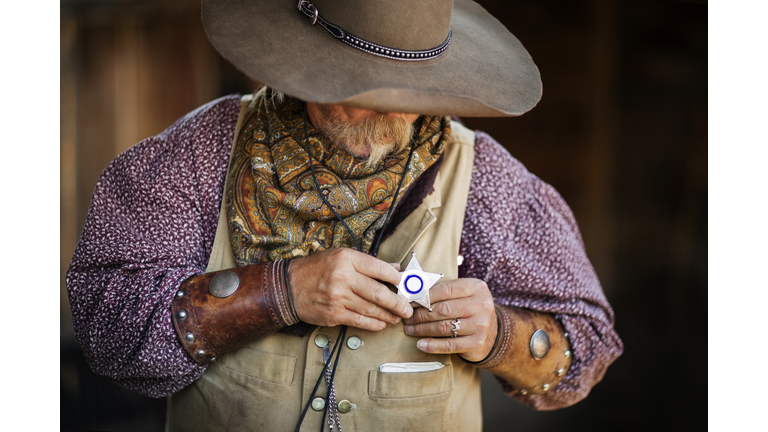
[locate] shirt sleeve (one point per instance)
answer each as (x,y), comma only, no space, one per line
(521,238)
(150,226)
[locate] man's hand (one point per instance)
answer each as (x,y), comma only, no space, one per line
(341,286)
(466,299)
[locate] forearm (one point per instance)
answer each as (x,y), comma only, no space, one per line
(531,353)
(581,350)
(218,312)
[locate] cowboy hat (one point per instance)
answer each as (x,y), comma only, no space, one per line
(434,57)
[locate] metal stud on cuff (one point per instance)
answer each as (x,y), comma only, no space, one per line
(539,344)
(523,392)
(560,372)
(567,353)
(545,387)
(224,284)
(190,337)
(182,315)
(200,353)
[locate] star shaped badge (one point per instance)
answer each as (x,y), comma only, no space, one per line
(415,283)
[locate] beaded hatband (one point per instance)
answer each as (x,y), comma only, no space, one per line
(348,38)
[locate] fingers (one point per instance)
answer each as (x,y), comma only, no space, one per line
(457,298)
(443,328)
(380,295)
(371,308)
(357,320)
(466,299)
(342,286)
(459,288)
(449,309)
(447,345)
(474,339)
(374,268)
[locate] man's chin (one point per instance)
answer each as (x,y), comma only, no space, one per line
(359,152)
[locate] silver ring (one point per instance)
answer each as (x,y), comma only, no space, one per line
(455,323)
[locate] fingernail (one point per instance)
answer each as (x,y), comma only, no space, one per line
(422,344)
(395,320)
(409,320)
(409,329)
(408,311)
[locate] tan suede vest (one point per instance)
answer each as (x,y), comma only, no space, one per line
(264,385)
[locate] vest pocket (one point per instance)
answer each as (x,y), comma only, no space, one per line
(383,385)
(262,365)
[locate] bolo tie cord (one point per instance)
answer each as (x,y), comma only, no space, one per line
(333,417)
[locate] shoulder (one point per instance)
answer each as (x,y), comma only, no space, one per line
(493,161)
(499,181)
(207,126)
(213,115)
(503,190)
(201,136)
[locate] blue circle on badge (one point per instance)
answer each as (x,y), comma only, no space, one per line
(413,286)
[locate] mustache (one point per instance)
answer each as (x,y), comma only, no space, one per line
(381,134)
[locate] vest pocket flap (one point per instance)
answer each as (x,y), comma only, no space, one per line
(383,385)
(259,364)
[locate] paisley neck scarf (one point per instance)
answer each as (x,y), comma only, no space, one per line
(273,208)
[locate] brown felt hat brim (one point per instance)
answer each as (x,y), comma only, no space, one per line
(485,72)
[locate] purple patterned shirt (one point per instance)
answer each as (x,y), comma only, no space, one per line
(153,218)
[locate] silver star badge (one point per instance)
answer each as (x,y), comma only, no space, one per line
(415,283)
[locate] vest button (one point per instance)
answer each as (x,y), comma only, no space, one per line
(318,404)
(321,340)
(354,343)
(346,406)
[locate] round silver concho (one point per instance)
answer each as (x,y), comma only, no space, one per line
(539,344)
(223,284)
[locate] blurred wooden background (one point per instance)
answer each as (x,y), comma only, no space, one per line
(621,132)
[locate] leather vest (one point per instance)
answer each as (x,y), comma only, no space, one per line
(265,385)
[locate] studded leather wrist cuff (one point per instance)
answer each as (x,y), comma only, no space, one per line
(532,354)
(218,312)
